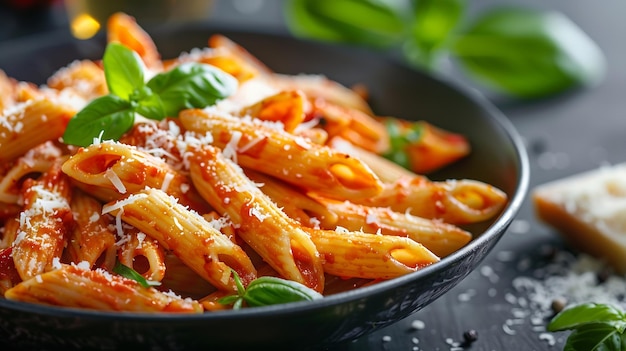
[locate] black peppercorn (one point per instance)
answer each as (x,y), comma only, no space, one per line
(470,336)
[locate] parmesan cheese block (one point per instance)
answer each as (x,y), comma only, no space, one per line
(589,210)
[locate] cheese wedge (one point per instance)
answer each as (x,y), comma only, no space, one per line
(589,210)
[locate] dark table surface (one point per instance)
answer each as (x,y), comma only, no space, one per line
(507,300)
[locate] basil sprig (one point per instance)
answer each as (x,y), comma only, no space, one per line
(517,51)
(264,291)
(130,273)
(594,327)
(400,138)
(189,85)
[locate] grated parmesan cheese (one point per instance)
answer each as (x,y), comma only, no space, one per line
(166,181)
(115,180)
(230,150)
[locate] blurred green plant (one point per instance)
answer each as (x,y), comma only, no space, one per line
(516,51)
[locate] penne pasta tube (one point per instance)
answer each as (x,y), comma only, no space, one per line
(92,235)
(182,279)
(320,87)
(44,223)
(84,78)
(224,44)
(143,254)
(80,287)
(29,124)
(356,126)
(276,237)
(439,237)
(287,107)
(126,169)
(255,145)
(220,57)
(124,29)
(371,256)
(188,235)
(454,201)
(35,161)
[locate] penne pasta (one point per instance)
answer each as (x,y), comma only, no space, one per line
(123,169)
(124,29)
(44,223)
(286,107)
(84,78)
(320,87)
(370,256)
(182,279)
(454,201)
(293,159)
(92,237)
(439,237)
(143,254)
(358,127)
(35,161)
(80,287)
(188,235)
(30,124)
(273,235)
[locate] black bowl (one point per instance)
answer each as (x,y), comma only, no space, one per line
(498,158)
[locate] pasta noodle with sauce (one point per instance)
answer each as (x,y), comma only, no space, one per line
(286,178)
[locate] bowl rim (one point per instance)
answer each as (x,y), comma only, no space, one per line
(493,232)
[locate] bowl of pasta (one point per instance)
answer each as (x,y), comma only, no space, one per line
(208,187)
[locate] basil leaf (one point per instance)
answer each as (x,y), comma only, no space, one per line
(123,70)
(376,23)
(400,138)
(272,290)
(148,104)
(588,313)
(191,85)
(108,117)
(130,273)
(529,53)
(433,23)
(597,336)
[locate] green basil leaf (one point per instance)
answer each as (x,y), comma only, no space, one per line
(123,70)
(529,53)
(149,105)
(377,23)
(228,300)
(108,117)
(191,85)
(400,137)
(588,313)
(130,273)
(431,29)
(271,290)
(595,337)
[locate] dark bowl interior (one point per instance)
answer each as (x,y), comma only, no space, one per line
(498,158)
